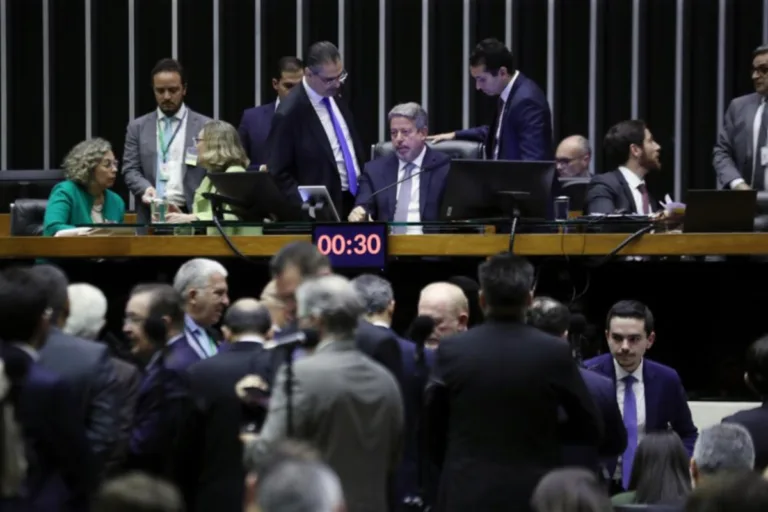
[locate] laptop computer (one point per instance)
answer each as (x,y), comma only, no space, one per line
(720,211)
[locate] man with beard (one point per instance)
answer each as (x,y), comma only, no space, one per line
(156,160)
(632,152)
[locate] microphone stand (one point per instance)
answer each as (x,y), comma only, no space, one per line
(513,200)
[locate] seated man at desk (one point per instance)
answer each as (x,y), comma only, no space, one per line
(406,186)
(85,198)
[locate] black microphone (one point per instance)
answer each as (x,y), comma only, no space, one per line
(424,169)
(420,330)
(303,338)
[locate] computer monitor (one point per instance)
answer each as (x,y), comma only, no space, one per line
(317,201)
(253,196)
(484,189)
(720,211)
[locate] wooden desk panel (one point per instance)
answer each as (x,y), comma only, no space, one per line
(400,245)
(5,222)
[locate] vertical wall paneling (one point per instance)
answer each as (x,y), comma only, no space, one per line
(508,10)
(765,21)
(382,96)
(425,55)
(572,59)
(46,86)
(404,51)
(746,33)
(196,53)
(635,114)
(448,73)
(154,41)
(216,52)
(300,28)
(278,39)
(341,32)
(616,48)
(678,121)
(551,41)
(320,22)
(174,29)
(361,21)
(721,18)
(257,65)
(3,86)
(239,42)
(465,81)
(131,76)
(489,22)
(595,123)
(88,70)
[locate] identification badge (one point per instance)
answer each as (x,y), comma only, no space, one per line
(190,158)
(164,171)
(764,156)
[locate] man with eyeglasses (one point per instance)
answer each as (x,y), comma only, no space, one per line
(740,156)
(313,139)
(573,156)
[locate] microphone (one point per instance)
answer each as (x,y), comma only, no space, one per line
(576,329)
(425,168)
(420,330)
(303,338)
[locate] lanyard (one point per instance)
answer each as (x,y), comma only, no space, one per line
(163,147)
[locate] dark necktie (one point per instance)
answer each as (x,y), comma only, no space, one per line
(490,146)
(630,423)
(646,199)
(758,171)
(346,152)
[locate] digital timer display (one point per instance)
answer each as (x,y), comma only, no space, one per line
(348,245)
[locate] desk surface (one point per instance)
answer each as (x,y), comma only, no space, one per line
(399,245)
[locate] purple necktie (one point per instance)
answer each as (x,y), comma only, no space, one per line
(630,422)
(349,162)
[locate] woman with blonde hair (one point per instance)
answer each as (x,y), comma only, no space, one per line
(219,150)
(85,198)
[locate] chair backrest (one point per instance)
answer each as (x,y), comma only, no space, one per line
(27,217)
(463,149)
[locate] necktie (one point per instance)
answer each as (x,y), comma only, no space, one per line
(492,147)
(167,124)
(404,199)
(349,161)
(630,423)
(646,199)
(758,172)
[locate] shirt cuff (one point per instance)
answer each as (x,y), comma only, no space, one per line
(735,183)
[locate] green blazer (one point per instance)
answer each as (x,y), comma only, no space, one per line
(70,204)
(204,211)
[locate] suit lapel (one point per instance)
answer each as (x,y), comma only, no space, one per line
(314,124)
(652,395)
(391,169)
(627,191)
(148,139)
(751,112)
(425,181)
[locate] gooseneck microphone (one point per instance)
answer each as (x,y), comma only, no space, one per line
(419,332)
(424,169)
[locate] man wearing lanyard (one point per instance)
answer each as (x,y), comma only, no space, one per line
(160,160)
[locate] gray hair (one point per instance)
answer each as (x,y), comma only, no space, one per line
(724,447)
(84,158)
(375,292)
(87,311)
(334,300)
(760,50)
(301,486)
(221,147)
(412,111)
(195,274)
(322,52)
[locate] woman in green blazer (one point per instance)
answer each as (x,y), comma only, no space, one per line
(85,198)
(219,150)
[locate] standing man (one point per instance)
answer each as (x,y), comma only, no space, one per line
(156,160)
(522,129)
(447,305)
(256,121)
(313,139)
(740,156)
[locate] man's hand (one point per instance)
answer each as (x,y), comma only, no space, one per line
(441,137)
(358,214)
(742,186)
(149,195)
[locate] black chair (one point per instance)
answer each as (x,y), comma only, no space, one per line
(463,149)
(27,217)
(576,190)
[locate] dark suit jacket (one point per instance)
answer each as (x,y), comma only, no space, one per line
(733,153)
(382,346)
(756,422)
(610,193)
(493,411)
(88,371)
(254,130)
(382,172)
(666,405)
(214,481)
(299,150)
(526,129)
(126,388)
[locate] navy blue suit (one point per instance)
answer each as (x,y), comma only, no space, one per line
(526,128)
(666,404)
(382,172)
(254,130)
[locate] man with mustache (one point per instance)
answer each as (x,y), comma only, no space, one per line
(632,152)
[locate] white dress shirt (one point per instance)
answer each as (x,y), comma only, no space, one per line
(504,97)
(634,181)
(638,388)
(414,207)
(250,338)
(756,123)
(174,187)
(325,120)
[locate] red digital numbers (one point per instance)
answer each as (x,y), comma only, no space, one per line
(359,245)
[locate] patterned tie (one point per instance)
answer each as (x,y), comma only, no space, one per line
(404,200)
(349,161)
(630,423)
(646,199)
(167,134)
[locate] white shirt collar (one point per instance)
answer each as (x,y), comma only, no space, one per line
(621,372)
(174,339)
(314,98)
(277,103)
(178,115)
(633,180)
(29,350)
(379,323)
(508,89)
(416,161)
(250,338)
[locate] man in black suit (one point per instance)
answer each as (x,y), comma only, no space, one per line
(494,402)
(313,139)
(631,151)
(216,481)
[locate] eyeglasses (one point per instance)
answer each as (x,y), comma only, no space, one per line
(329,80)
(109,164)
(197,140)
(760,70)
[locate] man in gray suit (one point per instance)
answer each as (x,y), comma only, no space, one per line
(344,403)
(157,161)
(740,156)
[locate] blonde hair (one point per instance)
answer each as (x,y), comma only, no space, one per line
(84,158)
(221,147)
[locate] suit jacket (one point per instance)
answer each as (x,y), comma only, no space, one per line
(254,130)
(126,388)
(755,421)
(214,479)
(299,150)
(350,408)
(666,405)
(493,414)
(732,156)
(382,172)
(140,159)
(382,346)
(88,370)
(610,193)
(70,204)
(526,127)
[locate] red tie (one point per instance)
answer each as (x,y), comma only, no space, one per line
(646,200)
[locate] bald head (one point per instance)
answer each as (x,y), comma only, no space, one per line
(246,317)
(573,156)
(447,305)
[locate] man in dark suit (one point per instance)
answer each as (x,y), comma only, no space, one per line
(313,139)
(650,395)
(422,171)
(632,152)
(554,318)
(493,406)
(85,366)
(523,126)
(256,121)
(216,481)
(740,156)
